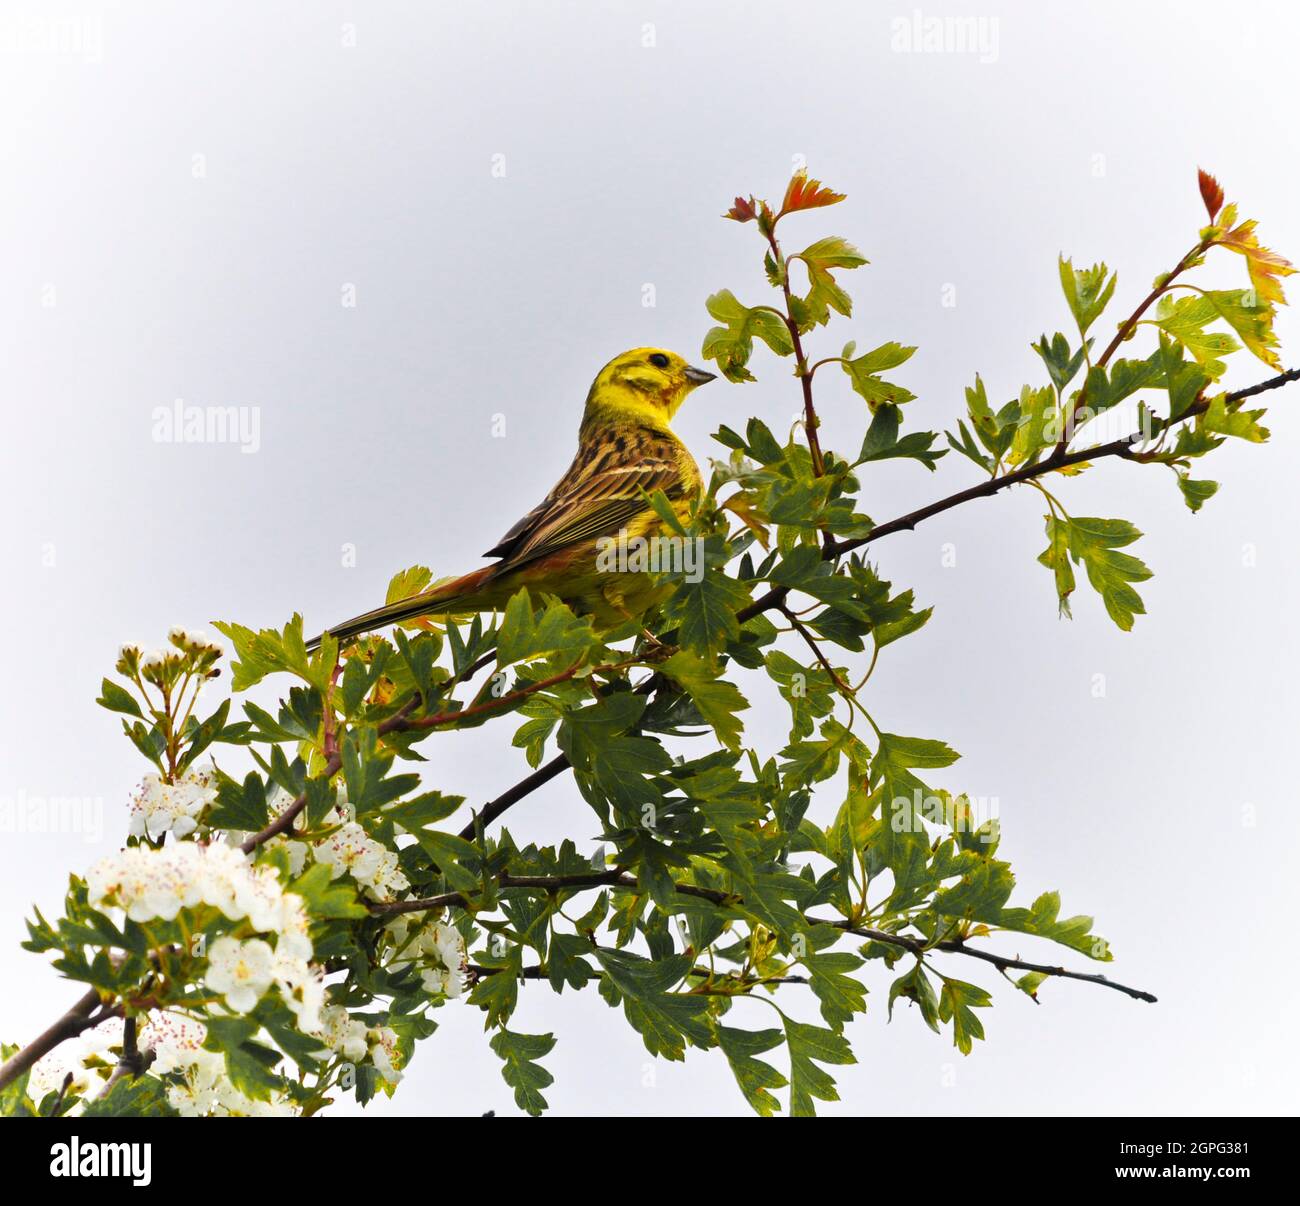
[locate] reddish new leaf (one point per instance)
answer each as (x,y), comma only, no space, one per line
(743,211)
(804,193)
(1211,192)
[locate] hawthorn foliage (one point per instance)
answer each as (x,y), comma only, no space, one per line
(726,878)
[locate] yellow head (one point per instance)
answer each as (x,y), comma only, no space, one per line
(645,383)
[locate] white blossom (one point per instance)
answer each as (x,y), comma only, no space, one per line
(240,971)
(384,1053)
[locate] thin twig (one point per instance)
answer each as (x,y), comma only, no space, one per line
(1001,962)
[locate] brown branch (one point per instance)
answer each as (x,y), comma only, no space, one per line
(540,973)
(440,718)
(616,878)
(133,1061)
(547,883)
(811,641)
(810,420)
(88,1012)
(1122,447)
(1001,962)
(509,798)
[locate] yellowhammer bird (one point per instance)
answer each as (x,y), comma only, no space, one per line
(626,451)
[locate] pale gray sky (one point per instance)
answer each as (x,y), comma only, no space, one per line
(188,194)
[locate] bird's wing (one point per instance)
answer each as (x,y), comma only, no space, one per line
(584,507)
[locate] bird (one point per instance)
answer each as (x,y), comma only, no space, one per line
(626,451)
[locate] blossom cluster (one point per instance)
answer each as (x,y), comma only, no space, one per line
(159,807)
(349,849)
(351,1038)
(197,1084)
(88,1059)
(149,884)
(437,950)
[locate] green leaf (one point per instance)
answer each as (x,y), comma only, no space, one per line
(1087,291)
(566,962)
(896,755)
(132,1097)
(882,442)
(1043,919)
(705,612)
(241,808)
(1196,492)
(665,1020)
(1184,319)
(1037,428)
(407,583)
(268,651)
(732,344)
(1244,424)
(718,701)
(807,689)
(1095,544)
(915,986)
(1061,365)
(450,853)
(1056,557)
(325,899)
(957,1003)
(118,699)
(498,993)
(841,996)
(552,632)
(809,1046)
(248,1064)
(584,732)
(864,373)
(754,1076)
(1105,388)
(1250,318)
(521,1071)
(824,292)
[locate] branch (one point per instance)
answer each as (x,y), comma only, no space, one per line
(617,879)
(541,973)
(1122,447)
(440,718)
(810,420)
(1001,962)
(509,798)
(133,1061)
(88,1012)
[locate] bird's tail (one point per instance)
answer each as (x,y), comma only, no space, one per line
(438,600)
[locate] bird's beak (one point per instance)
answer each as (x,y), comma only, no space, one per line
(698,376)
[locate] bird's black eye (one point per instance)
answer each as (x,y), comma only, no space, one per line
(659,360)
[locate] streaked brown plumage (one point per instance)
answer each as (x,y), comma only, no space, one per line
(626,451)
